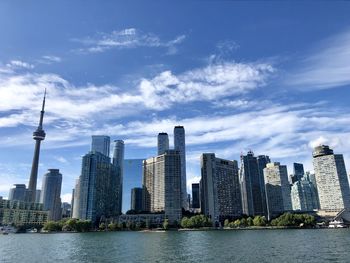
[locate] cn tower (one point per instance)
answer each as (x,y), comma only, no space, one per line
(38,136)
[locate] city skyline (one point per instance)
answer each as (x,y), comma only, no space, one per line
(286,99)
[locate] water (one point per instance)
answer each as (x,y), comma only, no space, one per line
(194,246)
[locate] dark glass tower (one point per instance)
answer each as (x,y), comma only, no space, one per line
(38,136)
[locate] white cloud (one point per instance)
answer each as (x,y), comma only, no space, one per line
(19,64)
(127,38)
(328,66)
(69,105)
(61,159)
(66,198)
(49,59)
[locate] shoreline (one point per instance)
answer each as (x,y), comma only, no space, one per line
(190,229)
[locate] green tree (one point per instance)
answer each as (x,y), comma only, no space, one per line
(226,223)
(102,226)
(52,226)
(259,221)
(237,223)
(250,221)
(185,222)
(166,224)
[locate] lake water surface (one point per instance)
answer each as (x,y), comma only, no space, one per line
(185,246)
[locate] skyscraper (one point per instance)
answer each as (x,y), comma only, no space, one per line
(252,186)
(180,145)
(263,160)
(304,196)
(162,184)
(38,136)
(100,143)
(277,189)
(98,189)
(195,196)
(17,193)
(221,196)
(331,179)
(136,199)
(132,177)
(51,194)
(118,162)
(163,142)
(298,172)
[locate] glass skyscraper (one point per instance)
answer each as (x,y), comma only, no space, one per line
(51,194)
(100,143)
(163,142)
(132,178)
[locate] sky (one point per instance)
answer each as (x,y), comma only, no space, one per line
(271,77)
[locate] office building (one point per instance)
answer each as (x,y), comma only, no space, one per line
(263,160)
(277,189)
(162,185)
(132,178)
(101,144)
(304,196)
(252,184)
(76,200)
(195,196)
(163,142)
(118,163)
(51,194)
(18,192)
(136,199)
(66,210)
(331,179)
(180,145)
(38,136)
(221,196)
(38,196)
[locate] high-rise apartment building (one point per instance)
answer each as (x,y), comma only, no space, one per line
(252,184)
(136,199)
(51,194)
(277,189)
(195,196)
(304,196)
(118,162)
(180,145)
(163,142)
(98,189)
(18,192)
(220,189)
(162,185)
(101,144)
(331,179)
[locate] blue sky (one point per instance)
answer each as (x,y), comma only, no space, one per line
(271,77)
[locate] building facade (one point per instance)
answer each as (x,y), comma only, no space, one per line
(132,177)
(298,172)
(162,142)
(277,189)
(118,163)
(331,179)
(180,145)
(220,189)
(18,193)
(162,185)
(98,189)
(22,213)
(303,195)
(136,199)
(195,196)
(252,184)
(101,144)
(51,194)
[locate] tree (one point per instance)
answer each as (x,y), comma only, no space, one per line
(259,221)
(166,224)
(226,223)
(185,222)
(249,221)
(102,226)
(52,226)
(237,223)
